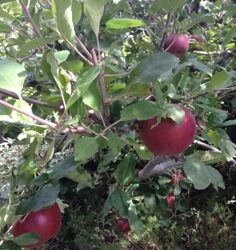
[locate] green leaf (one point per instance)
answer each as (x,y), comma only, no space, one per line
(62,55)
(27,239)
(209,157)
(62,14)
(196,19)
(153,67)
(6,15)
(140,110)
(83,84)
(202,175)
(85,148)
(125,171)
(174,112)
(12,76)
(169,5)
(41,199)
(124,23)
(200,66)
(94,10)
(92,98)
(218,80)
(35,43)
(81,176)
(115,143)
(76,11)
(229,36)
(118,200)
(4,28)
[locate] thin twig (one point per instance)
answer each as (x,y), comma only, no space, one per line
(34,117)
(165,30)
(30,19)
(29,100)
(83,47)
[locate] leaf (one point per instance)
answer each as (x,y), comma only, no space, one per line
(125,171)
(92,98)
(118,200)
(27,239)
(174,112)
(153,67)
(35,43)
(196,19)
(200,66)
(83,84)
(94,11)
(62,14)
(202,175)
(85,148)
(76,11)
(218,80)
(169,5)
(140,110)
(41,199)
(6,15)
(81,176)
(4,28)
(61,56)
(229,36)
(124,23)
(115,143)
(12,76)
(208,157)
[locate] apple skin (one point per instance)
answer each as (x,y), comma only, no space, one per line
(168,137)
(45,222)
(122,225)
(170,199)
(177,44)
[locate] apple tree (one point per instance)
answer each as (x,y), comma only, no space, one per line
(135,95)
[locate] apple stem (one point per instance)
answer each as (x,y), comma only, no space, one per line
(157,166)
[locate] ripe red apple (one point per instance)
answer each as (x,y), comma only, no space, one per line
(177,44)
(45,222)
(197,38)
(168,137)
(170,199)
(122,225)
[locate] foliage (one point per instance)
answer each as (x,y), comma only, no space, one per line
(75,76)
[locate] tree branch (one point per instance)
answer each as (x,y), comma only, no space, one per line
(29,100)
(83,47)
(30,19)
(165,30)
(34,117)
(157,166)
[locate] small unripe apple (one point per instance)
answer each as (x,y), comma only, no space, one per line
(45,222)
(122,225)
(168,137)
(177,44)
(170,199)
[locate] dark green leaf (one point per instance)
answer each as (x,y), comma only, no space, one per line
(85,148)
(27,239)
(202,175)
(125,171)
(218,80)
(153,67)
(42,198)
(141,110)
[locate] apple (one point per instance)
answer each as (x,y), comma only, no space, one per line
(122,225)
(45,222)
(197,38)
(168,137)
(177,44)
(170,199)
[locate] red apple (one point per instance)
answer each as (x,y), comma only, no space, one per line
(177,44)
(45,222)
(168,137)
(122,225)
(170,199)
(197,38)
